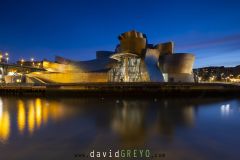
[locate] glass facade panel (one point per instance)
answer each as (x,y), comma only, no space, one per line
(126,70)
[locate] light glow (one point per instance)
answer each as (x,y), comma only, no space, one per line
(21,116)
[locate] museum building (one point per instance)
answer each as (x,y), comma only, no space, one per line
(134,60)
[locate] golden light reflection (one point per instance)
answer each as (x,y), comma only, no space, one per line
(40,112)
(32,115)
(1,108)
(55,111)
(21,119)
(4,125)
(45,114)
(38,106)
(31,118)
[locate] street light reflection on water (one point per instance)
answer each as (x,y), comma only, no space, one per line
(226,110)
(4,123)
(21,116)
(31,114)
(172,126)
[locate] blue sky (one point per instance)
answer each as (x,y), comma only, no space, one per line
(76,29)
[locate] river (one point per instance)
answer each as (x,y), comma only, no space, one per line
(38,128)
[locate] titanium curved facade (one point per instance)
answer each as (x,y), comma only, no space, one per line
(134,60)
(132,42)
(177,63)
(151,63)
(177,67)
(165,48)
(102,63)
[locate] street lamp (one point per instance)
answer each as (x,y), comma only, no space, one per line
(7,57)
(39,64)
(32,60)
(22,61)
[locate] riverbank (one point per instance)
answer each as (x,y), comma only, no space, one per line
(123,89)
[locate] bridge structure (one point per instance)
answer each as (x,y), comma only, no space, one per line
(5,68)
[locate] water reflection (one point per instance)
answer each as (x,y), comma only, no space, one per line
(38,112)
(31,115)
(226,110)
(1,107)
(134,121)
(4,123)
(21,118)
(168,119)
(128,121)
(71,124)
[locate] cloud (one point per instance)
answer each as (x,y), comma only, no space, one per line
(230,41)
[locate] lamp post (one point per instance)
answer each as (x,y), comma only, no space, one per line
(32,60)
(39,64)
(22,61)
(7,56)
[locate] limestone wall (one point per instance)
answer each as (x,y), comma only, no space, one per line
(178,77)
(70,77)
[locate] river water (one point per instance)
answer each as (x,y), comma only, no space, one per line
(65,128)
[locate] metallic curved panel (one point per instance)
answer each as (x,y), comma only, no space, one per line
(177,63)
(119,56)
(60,67)
(165,48)
(96,65)
(151,61)
(71,77)
(62,60)
(132,42)
(103,63)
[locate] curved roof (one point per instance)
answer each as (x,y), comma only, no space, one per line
(133,42)
(132,33)
(118,56)
(102,64)
(96,65)
(177,63)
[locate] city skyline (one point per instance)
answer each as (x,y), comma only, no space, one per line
(73,29)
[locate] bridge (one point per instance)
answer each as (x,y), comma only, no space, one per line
(5,67)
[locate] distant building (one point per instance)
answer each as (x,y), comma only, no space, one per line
(218,74)
(134,60)
(30,63)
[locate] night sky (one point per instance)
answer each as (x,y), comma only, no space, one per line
(76,29)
